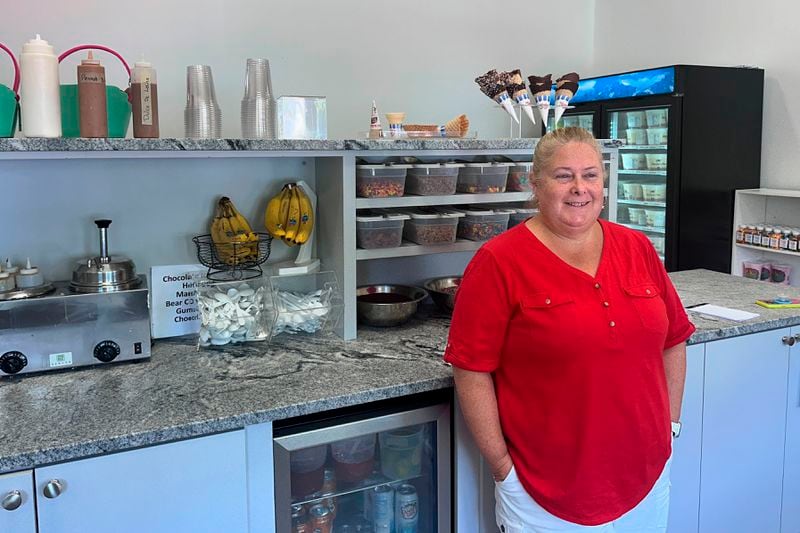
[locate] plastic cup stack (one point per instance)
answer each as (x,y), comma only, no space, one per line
(258,104)
(202,118)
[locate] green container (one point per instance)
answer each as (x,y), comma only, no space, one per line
(9,112)
(117,106)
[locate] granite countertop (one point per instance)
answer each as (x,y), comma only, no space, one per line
(181,393)
(283,145)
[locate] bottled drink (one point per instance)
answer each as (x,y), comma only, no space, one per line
(144,100)
(92,104)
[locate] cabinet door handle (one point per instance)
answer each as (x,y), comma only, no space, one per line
(53,488)
(789,341)
(12,500)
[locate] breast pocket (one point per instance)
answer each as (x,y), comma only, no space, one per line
(649,306)
(547,316)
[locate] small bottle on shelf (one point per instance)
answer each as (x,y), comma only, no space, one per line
(775,238)
(757,235)
(740,233)
(765,236)
(749,231)
(783,244)
(794,241)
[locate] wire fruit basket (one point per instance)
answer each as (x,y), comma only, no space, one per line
(233,261)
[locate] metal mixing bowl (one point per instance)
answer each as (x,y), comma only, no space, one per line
(391,313)
(436,287)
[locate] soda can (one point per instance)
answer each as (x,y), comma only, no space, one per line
(383,509)
(406,509)
(321,519)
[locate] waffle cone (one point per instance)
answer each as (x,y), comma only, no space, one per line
(457,127)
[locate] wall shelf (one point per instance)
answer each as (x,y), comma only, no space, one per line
(643,172)
(412,201)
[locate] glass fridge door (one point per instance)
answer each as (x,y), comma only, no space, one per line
(578,120)
(387,474)
(642,173)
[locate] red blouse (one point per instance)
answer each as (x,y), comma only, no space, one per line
(578,366)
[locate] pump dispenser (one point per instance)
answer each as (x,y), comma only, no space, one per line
(92,98)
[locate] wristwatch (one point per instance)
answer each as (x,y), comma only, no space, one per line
(676,429)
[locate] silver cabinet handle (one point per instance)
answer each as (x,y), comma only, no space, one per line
(12,500)
(797,337)
(789,341)
(53,488)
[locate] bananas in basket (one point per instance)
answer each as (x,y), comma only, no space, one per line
(234,239)
(290,215)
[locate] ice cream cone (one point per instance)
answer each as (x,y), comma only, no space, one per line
(566,87)
(543,103)
(524,102)
(504,100)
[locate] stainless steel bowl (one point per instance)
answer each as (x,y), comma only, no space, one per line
(437,288)
(387,305)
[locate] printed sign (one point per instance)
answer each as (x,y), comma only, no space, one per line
(173,300)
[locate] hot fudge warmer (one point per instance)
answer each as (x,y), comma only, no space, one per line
(101,316)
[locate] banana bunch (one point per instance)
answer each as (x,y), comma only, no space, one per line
(234,239)
(289,215)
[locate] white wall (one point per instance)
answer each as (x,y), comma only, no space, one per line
(631,34)
(415,56)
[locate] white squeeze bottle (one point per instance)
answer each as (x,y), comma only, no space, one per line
(40,102)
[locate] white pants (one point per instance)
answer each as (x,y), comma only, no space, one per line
(517,512)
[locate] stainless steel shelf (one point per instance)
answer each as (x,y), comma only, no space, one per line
(408,249)
(649,229)
(642,202)
(643,147)
(450,199)
(643,172)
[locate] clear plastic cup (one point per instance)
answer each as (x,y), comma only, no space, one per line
(401,452)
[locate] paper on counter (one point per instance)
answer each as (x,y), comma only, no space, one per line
(724,312)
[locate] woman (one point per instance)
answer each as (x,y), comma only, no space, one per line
(569,355)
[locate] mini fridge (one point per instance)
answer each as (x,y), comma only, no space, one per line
(381,470)
(692,137)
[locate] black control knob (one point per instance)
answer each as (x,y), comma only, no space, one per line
(106,351)
(12,362)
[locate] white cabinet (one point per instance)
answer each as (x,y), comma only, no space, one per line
(685,471)
(744,422)
(17,506)
(193,485)
(769,207)
(790,511)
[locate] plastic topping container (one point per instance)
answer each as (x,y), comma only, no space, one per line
(482,178)
(432,179)
(481,225)
(519,177)
(375,230)
(428,226)
(380,181)
(520,215)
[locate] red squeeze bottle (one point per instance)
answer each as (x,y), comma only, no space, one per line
(92,98)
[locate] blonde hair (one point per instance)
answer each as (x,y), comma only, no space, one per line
(551,142)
